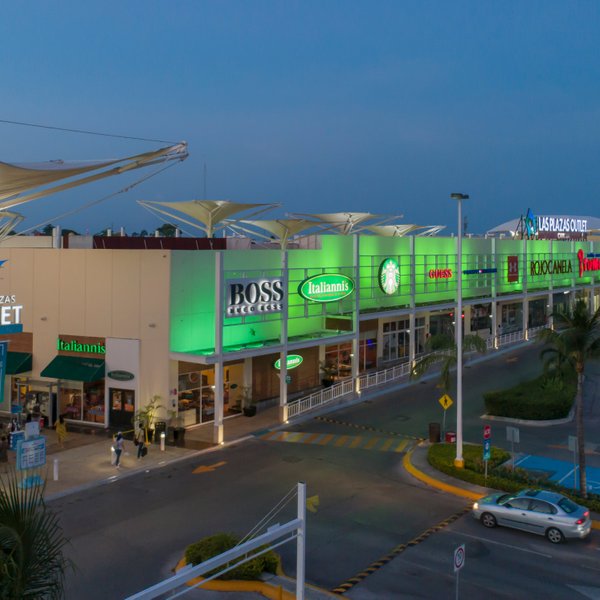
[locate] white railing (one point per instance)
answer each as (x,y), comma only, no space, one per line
(513,338)
(380,377)
(320,398)
(533,331)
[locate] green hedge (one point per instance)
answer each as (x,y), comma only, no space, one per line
(221,542)
(441,457)
(545,397)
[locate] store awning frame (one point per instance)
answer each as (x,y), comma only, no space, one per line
(75,368)
(18,362)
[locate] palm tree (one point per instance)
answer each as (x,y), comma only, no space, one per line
(32,563)
(576,341)
(442,349)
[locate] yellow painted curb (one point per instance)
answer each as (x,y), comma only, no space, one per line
(451,489)
(440,485)
(269,591)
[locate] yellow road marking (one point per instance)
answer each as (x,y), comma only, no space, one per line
(371,443)
(326,439)
(310,438)
(386,445)
(208,468)
(342,440)
(358,440)
(401,446)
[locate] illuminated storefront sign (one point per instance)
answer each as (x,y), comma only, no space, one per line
(440,273)
(254,296)
(291,362)
(326,288)
(389,276)
(545,267)
(589,263)
(555,227)
(76,346)
(512,263)
(10,313)
(120,375)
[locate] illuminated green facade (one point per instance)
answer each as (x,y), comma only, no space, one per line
(427,278)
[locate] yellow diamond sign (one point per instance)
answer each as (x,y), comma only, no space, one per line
(446,401)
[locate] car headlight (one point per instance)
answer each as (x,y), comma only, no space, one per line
(475,505)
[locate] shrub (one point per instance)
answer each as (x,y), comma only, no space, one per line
(500,477)
(545,397)
(221,542)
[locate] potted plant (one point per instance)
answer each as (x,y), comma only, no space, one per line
(146,416)
(245,397)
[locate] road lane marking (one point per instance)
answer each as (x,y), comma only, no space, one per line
(476,537)
(376,565)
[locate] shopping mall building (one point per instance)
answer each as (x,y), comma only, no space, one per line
(99,326)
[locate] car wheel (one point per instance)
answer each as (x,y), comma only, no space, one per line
(488,520)
(555,535)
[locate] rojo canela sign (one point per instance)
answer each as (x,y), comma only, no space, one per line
(328,287)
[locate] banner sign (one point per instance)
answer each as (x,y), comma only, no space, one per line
(328,287)
(253,296)
(3,357)
(513,269)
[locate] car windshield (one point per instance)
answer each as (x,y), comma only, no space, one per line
(504,498)
(567,505)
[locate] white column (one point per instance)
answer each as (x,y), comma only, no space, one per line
(283,406)
(459,461)
(550,310)
(525,318)
(301,542)
(356,338)
(218,433)
(411,339)
(494,309)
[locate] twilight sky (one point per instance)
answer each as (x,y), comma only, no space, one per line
(324,106)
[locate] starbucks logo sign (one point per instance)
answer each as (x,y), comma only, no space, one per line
(389,276)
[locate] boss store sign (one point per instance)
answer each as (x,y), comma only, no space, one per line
(253,296)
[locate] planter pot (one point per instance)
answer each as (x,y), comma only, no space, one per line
(249,411)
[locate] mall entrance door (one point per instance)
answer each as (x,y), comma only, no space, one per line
(122,408)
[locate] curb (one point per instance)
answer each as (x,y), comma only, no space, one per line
(445,487)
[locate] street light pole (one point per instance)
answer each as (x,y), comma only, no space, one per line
(459,461)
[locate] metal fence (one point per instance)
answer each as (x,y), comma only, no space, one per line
(368,380)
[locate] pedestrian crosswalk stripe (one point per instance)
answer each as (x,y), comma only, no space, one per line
(379,444)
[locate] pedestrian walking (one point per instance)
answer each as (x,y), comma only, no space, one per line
(119,443)
(3,451)
(61,430)
(140,441)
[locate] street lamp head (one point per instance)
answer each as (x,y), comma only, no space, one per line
(457,196)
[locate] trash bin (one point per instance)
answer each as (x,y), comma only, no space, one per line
(434,432)
(159,427)
(170,441)
(450,437)
(179,436)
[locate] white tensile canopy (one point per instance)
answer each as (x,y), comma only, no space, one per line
(402,229)
(209,215)
(22,183)
(280,229)
(345,222)
(16,179)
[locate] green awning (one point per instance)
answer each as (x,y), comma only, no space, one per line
(75,368)
(18,362)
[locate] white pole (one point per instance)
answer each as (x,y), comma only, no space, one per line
(459,461)
(301,541)
(55,469)
(162,441)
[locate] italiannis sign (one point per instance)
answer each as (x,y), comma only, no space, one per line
(291,362)
(326,288)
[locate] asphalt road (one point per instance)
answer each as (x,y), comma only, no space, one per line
(129,535)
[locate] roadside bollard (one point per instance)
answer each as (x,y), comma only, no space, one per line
(56,469)
(162,441)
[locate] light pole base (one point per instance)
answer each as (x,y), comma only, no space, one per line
(459,463)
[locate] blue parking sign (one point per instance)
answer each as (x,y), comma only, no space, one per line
(487,449)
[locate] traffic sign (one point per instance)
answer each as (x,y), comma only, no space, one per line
(512,434)
(459,558)
(487,449)
(446,401)
(487,432)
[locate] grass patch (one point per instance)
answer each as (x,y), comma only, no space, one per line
(441,457)
(545,397)
(217,544)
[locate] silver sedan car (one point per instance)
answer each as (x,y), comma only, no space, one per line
(538,511)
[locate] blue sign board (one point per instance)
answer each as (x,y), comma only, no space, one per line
(487,449)
(31,453)
(3,356)
(15,437)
